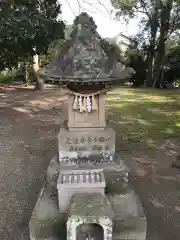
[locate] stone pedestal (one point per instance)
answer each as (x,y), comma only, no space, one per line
(87,187)
(128,221)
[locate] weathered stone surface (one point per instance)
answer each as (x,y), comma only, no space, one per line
(94,205)
(71,182)
(126,205)
(117,171)
(87,209)
(46,221)
(129,221)
(131,229)
(53,171)
(78,147)
(116,182)
(82,58)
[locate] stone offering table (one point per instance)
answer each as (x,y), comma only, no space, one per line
(87,194)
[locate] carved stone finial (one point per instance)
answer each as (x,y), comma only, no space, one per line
(86,21)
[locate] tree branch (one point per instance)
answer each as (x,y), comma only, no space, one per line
(104,8)
(79,5)
(90,4)
(143,5)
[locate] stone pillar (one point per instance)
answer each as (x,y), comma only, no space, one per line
(85,121)
(86,139)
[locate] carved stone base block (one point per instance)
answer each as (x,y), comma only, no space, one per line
(71,182)
(77,147)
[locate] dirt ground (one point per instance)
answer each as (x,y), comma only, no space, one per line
(29,126)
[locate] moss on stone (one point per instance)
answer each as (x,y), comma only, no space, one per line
(45,228)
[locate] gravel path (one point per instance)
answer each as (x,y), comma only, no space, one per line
(28,140)
(161,203)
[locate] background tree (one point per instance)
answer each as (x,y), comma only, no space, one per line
(137,61)
(160,19)
(27,28)
(148,10)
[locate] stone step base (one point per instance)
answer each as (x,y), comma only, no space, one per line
(47,223)
(130,221)
(131,229)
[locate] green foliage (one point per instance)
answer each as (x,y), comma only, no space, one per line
(158,21)
(127,8)
(143,9)
(173,47)
(6,76)
(27,26)
(137,62)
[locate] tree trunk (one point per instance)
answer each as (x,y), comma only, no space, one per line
(39,84)
(154,26)
(149,75)
(164,28)
(26,73)
(159,60)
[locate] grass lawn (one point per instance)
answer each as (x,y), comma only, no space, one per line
(145,117)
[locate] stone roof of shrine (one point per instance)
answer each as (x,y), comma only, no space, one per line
(81,58)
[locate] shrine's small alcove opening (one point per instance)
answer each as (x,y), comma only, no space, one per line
(89,231)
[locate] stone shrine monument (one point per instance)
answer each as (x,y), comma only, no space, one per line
(87,195)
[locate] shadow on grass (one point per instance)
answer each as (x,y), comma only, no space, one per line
(145,120)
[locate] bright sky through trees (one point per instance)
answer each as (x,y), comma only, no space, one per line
(100,10)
